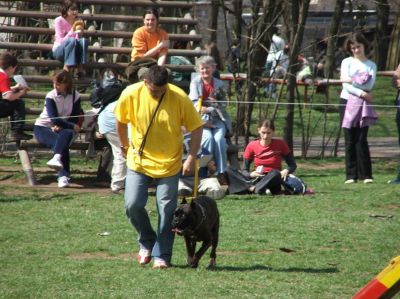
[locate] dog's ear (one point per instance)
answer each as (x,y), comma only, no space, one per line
(183,202)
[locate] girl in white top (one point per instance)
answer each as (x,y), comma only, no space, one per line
(358,160)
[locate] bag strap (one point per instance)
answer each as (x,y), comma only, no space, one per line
(140,151)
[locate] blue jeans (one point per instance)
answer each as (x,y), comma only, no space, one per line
(72,52)
(213,141)
(136,196)
(59,142)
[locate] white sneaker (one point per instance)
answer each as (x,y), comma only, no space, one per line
(144,256)
(368,181)
(63,181)
(55,162)
(351,181)
(160,264)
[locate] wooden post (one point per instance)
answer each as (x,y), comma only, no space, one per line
(27,167)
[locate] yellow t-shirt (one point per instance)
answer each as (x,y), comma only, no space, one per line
(162,153)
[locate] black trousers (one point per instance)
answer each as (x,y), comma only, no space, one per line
(358,159)
(240,184)
(16,111)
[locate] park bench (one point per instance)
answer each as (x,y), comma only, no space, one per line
(26,26)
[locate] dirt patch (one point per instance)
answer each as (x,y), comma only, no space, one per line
(101,255)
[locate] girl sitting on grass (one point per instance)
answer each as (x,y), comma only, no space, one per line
(266,153)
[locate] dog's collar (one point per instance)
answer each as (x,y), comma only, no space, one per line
(202,218)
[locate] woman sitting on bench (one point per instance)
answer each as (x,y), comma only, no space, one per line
(59,122)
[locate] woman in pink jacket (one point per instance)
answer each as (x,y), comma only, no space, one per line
(69,45)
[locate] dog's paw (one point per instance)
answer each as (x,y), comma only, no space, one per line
(192,262)
(212,264)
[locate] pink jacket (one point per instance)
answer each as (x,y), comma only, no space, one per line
(63,31)
(359,113)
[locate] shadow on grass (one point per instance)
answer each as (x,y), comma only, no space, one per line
(267,268)
(76,182)
(36,196)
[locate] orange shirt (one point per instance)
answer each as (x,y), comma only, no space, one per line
(142,41)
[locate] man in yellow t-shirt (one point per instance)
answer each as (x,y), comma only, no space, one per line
(156,112)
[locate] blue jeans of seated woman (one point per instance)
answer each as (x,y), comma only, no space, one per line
(136,196)
(59,142)
(72,52)
(214,142)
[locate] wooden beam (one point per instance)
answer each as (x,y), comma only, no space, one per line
(133,3)
(93,49)
(96,65)
(94,17)
(95,33)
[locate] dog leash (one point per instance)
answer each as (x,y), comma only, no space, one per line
(196,163)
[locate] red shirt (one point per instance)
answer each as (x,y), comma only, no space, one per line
(207,89)
(4,83)
(269,156)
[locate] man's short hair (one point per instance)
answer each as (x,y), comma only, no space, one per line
(7,60)
(157,75)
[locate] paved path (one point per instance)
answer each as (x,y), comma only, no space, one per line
(380,147)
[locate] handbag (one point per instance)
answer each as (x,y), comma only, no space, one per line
(294,185)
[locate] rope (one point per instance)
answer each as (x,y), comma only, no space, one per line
(229,102)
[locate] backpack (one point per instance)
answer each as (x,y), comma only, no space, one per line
(294,185)
(106,91)
(131,71)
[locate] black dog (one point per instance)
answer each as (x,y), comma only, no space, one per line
(198,221)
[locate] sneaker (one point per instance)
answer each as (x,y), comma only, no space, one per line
(351,181)
(268,192)
(55,163)
(395,181)
(160,264)
(63,182)
(15,136)
(368,181)
(144,257)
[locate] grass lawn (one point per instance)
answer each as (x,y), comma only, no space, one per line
(326,245)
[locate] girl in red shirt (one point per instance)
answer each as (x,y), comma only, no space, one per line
(266,154)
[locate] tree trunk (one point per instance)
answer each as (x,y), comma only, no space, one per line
(299,11)
(213,21)
(261,40)
(381,38)
(332,38)
(394,47)
(330,62)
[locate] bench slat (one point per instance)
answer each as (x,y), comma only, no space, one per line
(133,3)
(93,49)
(95,17)
(96,33)
(96,65)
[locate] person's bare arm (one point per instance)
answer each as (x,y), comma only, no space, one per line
(396,78)
(194,145)
(122,130)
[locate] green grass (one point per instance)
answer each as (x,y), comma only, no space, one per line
(50,245)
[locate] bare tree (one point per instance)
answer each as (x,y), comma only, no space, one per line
(394,47)
(381,38)
(299,12)
(330,62)
(213,21)
(259,42)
